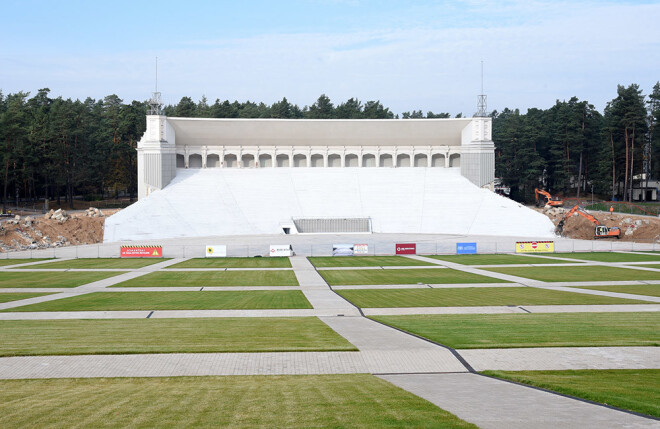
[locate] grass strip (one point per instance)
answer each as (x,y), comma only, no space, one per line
(274,262)
(6,262)
(8,297)
(578,274)
(479,331)
(126,301)
(636,390)
(213,278)
(100,263)
(495,259)
(472,297)
(360,401)
(365,261)
(128,336)
(51,279)
(399,277)
(610,256)
(650,290)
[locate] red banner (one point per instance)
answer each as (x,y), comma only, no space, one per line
(406,248)
(141,251)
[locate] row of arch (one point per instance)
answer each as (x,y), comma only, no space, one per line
(317,160)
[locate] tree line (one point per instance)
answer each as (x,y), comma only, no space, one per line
(571,147)
(56,148)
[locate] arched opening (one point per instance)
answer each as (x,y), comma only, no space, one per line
(282,160)
(265,160)
(421,160)
(403,160)
(351,161)
(385,161)
(455,160)
(369,160)
(212,161)
(299,160)
(231,161)
(438,160)
(247,161)
(180,161)
(316,161)
(195,161)
(334,160)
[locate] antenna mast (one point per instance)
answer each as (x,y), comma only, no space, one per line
(481,98)
(155,103)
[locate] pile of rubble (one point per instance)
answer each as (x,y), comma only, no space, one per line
(59,215)
(94,212)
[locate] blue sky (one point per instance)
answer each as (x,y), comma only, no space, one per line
(409,55)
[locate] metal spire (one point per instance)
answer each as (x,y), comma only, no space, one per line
(155,103)
(481,98)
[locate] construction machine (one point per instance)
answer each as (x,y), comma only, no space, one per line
(601,231)
(547,199)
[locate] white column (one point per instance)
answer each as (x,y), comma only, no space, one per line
(204,154)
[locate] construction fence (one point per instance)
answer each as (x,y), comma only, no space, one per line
(325,249)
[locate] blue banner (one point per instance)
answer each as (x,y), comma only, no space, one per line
(466,248)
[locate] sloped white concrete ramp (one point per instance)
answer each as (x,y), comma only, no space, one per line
(236,201)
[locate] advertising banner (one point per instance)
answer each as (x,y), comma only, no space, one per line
(141,251)
(342,250)
(534,246)
(466,248)
(360,249)
(281,250)
(216,251)
(406,248)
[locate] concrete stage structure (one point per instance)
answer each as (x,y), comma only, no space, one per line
(201,177)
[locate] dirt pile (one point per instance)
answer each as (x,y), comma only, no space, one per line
(54,229)
(643,229)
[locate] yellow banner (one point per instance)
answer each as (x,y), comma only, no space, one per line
(534,246)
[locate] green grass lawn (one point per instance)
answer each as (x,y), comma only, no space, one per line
(650,290)
(6,262)
(631,389)
(117,301)
(51,279)
(496,259)
(610,256)
(471,297)
(127,336)
(478,331)
(8,297)
(275,262)
(100,263)
(359,400)
(399,277)
(365,261)
(213,278)
(656,266)
(578,274)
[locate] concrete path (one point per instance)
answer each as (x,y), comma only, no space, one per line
(496,404)
(317,291)
(562,358)
(604,308)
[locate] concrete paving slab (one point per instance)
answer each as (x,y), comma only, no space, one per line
(69,315)
(440,310)
(495,404)
(427,285)
(600,308)
(563,358)
(197,288)
(607,293)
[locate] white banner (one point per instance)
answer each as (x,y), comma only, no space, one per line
(216,251)
(281,250)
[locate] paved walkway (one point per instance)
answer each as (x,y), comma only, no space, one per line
(496,404)
(563,358)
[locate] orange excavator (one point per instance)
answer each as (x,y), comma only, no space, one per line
(549,199)
(601,231)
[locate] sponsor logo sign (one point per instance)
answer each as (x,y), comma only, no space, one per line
(406,248)
(216,251)
(535,246)
(466,248)
(360,249)
(280,250)
(141,251)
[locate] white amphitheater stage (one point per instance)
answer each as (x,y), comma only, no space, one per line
(252,201)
